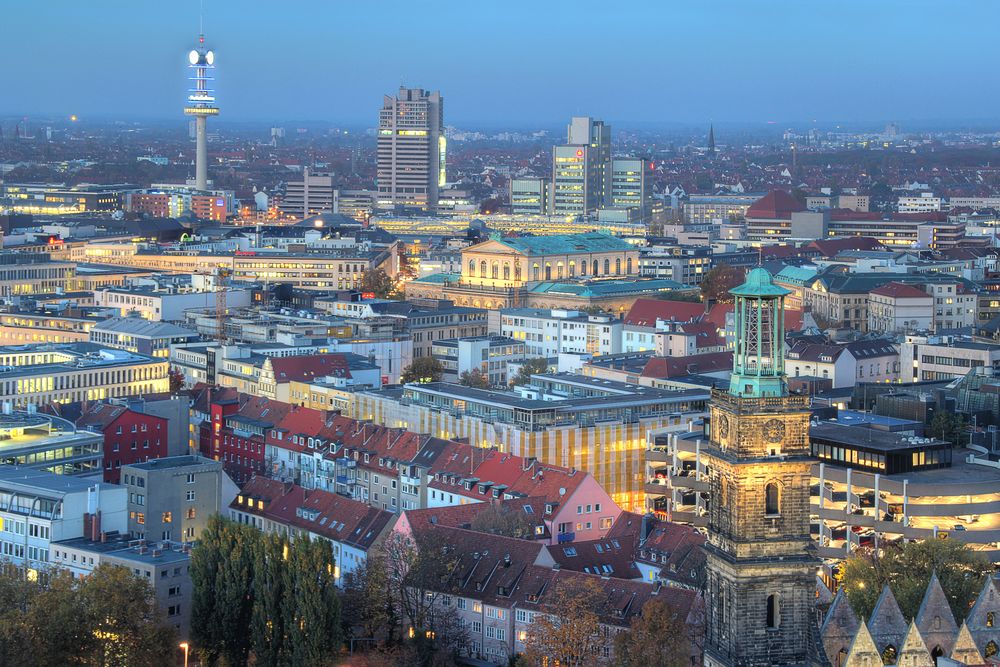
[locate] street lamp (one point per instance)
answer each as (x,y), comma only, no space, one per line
(186,647)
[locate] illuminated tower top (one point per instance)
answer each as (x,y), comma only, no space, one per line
(759,354)
(201,97)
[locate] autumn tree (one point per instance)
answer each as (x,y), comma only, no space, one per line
(568,632)
(718,281)
(659,636)
(423,369)
(370,609)
(110,617)
(907,569)
(379,283)
(474,378)
(528,368)
(500,519)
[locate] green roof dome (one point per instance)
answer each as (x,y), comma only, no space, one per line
(759,283)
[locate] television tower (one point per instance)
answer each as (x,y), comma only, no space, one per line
(201,105)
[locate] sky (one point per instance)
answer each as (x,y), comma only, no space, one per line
(512,64)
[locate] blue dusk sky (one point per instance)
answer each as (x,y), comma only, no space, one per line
(515,63)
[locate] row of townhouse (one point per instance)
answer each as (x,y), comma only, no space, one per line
(497,587)
(387,468)
(352,528)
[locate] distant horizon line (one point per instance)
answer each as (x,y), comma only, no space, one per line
(522,125)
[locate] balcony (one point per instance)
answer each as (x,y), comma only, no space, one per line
(566,537)
(659,455)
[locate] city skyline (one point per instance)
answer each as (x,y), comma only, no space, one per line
(687,66)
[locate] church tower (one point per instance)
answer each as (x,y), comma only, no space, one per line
(761,572)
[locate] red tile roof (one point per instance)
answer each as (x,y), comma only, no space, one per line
(320,512)
(309,366)
(900,291)
(669,367)
(645,312)
(775,205)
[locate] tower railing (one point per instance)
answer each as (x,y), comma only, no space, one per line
(763,404)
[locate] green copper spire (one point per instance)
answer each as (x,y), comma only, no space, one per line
(759,353)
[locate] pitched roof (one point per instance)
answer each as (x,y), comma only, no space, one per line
(776,204)
(309,366)
(670,367)
(320,512)
(101,416)
(965,650)
(914,652)
(645,312)
(934,619)
(839,626)
(863,652)
(900,291)
(887,625)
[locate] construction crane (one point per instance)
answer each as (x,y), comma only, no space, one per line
(222,275)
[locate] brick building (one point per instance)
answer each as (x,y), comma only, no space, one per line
(129,436)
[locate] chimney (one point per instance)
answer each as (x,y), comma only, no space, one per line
(95,526)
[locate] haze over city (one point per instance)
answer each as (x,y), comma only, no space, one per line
(514,64)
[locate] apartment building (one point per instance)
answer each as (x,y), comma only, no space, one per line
(352,528)
(141,336)
(490,355)
(39,508)
(128,436)
(166,566)
(549,332)
(171,499)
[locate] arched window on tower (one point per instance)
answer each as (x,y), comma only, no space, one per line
(991,649)
(772,499)
(990,618)
(889,655)
(773,613)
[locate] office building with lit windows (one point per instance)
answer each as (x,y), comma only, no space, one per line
(632,185)
(529,196)
(411,149)
(70,372)
(47,443)
(38,508)
(598,426)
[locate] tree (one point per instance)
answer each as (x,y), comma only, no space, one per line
(529,368)
(718,281)
(474,379)
(110,617)
(176,379)
(126,619)
(569,631)
(948,426)
(499,519)
(423,369)
(907,569)
(379,283)
(660,636)
(369,602)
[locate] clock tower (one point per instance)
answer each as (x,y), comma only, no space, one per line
(761,572)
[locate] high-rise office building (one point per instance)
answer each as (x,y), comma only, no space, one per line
(312,195)
(411,149)
(581,169)
(529,196)
(632,184)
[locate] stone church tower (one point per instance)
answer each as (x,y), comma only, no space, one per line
(761,572)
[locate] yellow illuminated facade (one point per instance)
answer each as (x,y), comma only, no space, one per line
(613,453)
